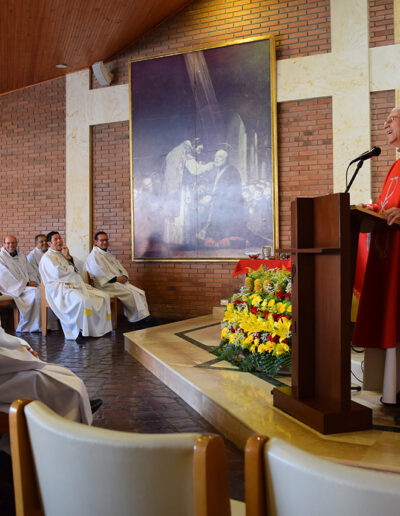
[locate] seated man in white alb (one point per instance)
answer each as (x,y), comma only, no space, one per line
(79,307)
(18,280)
(109,275)
(36,254)
(23,375)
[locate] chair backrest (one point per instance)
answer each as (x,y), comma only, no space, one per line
(94,471)
(282,480)
(43,292)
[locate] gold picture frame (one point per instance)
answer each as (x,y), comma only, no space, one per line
(203,140)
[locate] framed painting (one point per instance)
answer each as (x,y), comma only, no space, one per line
(204,152)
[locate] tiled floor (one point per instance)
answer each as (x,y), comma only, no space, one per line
(134,399)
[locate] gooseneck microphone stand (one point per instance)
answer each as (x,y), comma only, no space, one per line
(359,165)
(375,151)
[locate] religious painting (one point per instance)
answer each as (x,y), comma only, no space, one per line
(203,152)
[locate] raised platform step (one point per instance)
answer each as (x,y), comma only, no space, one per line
(239,404)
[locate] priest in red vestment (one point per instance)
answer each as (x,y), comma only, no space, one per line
(378,318)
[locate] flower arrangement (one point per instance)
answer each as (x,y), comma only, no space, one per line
(256,332)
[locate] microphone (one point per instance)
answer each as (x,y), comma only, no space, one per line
(375,151)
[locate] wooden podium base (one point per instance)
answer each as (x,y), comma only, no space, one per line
(321,415)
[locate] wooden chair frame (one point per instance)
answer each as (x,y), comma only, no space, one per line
(44,306)
(113,303)
(26,491)
(211,490)
(254,476)
(11,303)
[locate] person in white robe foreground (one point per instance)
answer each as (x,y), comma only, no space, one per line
(23,375)
(36,254)
(79,307)
(18,280)
(109,275)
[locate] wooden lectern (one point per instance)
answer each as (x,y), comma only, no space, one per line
(323,258)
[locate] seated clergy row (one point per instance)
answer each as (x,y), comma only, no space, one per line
(80,307)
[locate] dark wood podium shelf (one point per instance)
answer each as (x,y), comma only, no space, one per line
(324,240)
(318,250)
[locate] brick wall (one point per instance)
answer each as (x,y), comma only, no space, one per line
(301,27)
(381,104)
(381,24)
(304,154)
(111,185)
(32,161)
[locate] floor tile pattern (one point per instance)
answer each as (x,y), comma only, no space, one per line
(134,399)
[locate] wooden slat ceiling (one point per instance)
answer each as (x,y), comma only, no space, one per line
(35,35)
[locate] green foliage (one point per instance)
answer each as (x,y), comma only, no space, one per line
(252,362)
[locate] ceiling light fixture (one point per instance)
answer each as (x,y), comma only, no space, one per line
(61,65)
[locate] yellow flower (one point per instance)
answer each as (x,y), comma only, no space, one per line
(253,348)
(256,300)
(262,348)
(281,348)
(269,346)
(282,328)
(232,338)
(248,283)
(271,303)
(229,313)
(224,333)
(248,340)
(264,304)
(289,309)
(229,317)
(280,308)
(257,285)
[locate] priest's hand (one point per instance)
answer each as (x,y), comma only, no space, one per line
(367,206)
(122,279)
(32,284)
(65,252)
(392,215)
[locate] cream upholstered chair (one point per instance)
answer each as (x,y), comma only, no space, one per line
(65,468)
(282,480)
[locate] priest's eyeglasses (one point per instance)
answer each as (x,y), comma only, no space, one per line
(390,120)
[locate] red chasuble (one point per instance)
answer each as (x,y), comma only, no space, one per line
(378,318)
